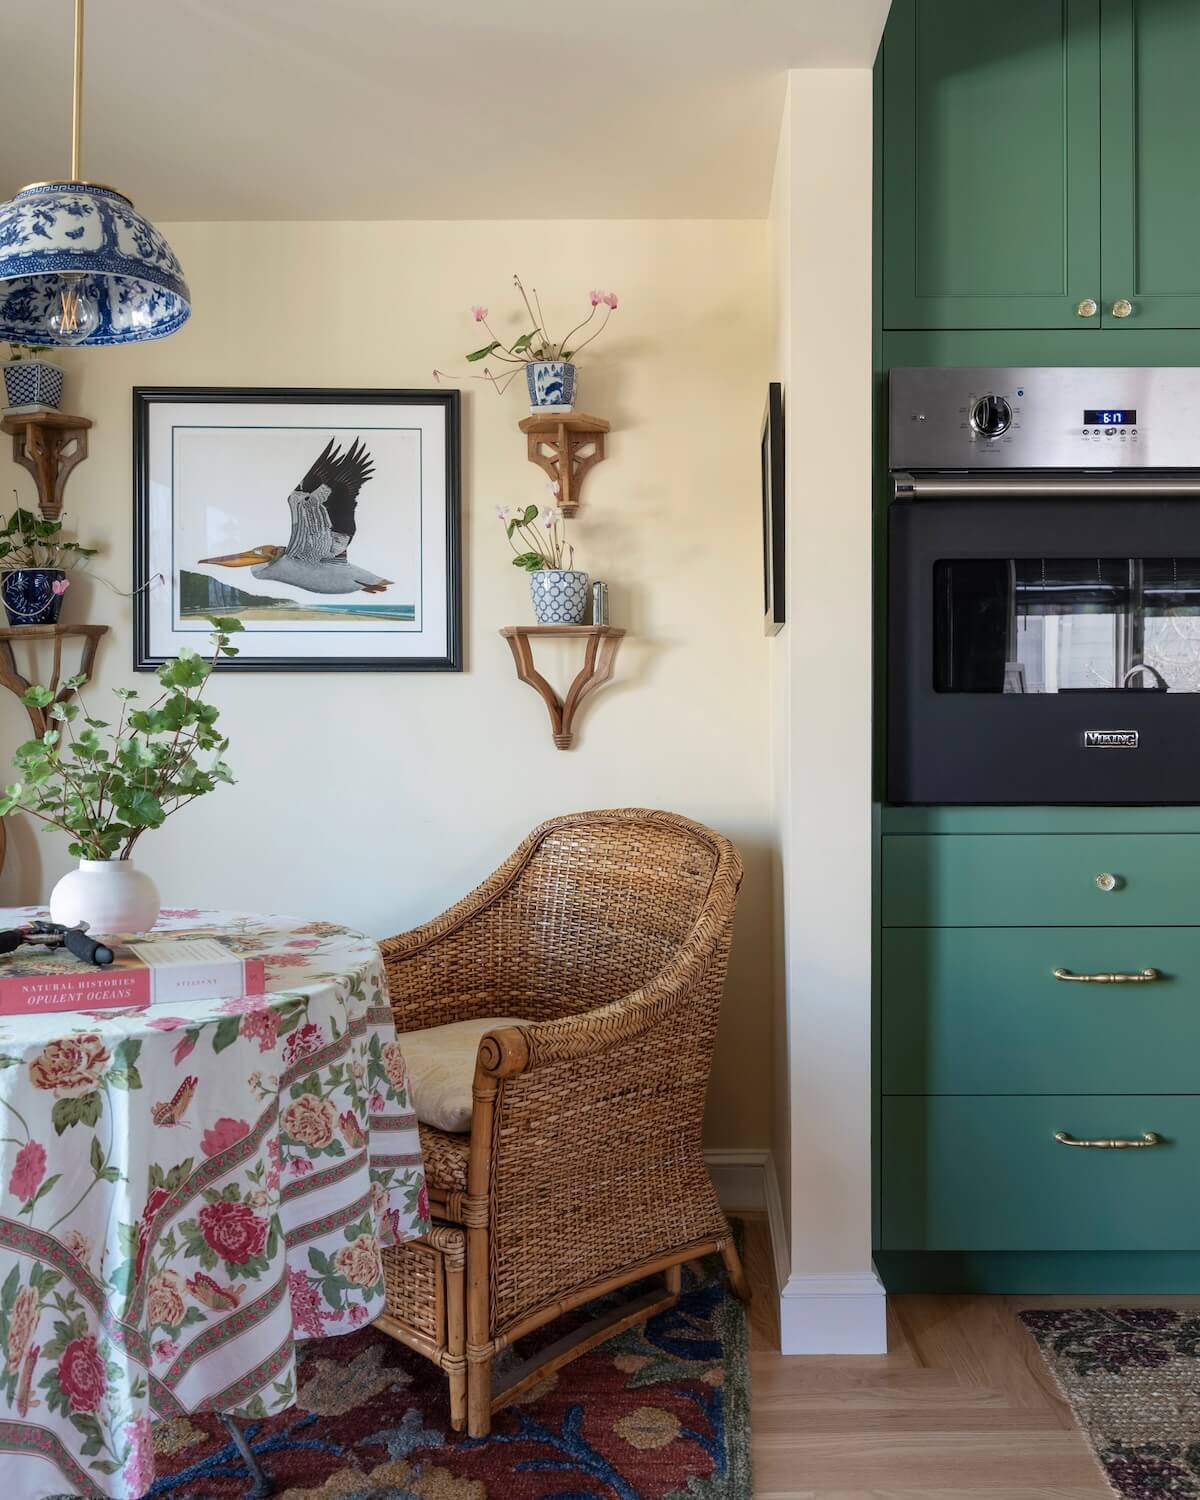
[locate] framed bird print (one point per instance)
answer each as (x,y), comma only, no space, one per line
(326,521)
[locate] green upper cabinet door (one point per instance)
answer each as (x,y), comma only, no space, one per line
(991,147)
(1150,193)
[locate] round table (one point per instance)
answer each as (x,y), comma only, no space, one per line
(188,1189)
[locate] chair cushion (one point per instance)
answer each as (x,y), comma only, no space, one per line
(446,1158)
(441,1069)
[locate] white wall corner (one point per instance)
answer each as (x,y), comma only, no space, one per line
(835,1314)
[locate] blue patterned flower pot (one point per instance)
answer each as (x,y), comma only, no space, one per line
(29,597)
(32,382)
(551,384)
(560,596)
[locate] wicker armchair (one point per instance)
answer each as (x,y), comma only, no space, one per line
(583,1170)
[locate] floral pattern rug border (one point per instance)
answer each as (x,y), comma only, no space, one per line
(1131,1376)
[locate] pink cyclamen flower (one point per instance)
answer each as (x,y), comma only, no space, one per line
(503,511)
(595,297)
(60,586)
(552,486)
(479,313)
(437,375)
(610,301)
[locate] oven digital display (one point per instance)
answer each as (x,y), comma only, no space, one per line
(1112,416)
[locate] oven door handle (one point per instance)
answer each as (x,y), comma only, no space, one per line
(998,487)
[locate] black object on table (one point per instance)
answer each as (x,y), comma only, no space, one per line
(55,935)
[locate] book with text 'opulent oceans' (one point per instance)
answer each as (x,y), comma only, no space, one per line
(149,972)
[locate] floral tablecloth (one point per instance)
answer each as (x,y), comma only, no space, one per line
(184,1192)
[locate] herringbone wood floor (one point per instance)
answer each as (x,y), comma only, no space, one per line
(961,1407)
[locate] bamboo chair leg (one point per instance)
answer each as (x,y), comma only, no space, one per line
(479,1398)
(673,1278)
(456,1343)
(733,1269)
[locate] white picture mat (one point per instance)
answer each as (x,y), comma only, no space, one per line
(219,476)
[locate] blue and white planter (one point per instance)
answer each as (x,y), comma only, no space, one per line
(32,382)
(560,596)
(29,597)
(551,385)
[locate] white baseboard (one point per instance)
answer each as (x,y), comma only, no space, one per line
(740,1178)
(833,1315)
(818,1314)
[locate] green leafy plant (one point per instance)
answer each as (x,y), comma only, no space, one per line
(105,791)
(19,352)
(535,343)
(534,550)
(30,541)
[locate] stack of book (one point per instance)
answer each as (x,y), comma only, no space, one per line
(154,971)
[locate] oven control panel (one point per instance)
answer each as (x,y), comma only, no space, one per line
(1063,417)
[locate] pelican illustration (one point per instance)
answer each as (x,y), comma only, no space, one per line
(323,526)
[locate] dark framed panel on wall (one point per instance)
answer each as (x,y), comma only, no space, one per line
(327,521)
(774,511)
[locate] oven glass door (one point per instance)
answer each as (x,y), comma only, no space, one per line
(1066,624)
(1044,650)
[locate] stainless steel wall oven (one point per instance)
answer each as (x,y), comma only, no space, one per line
(1044,586)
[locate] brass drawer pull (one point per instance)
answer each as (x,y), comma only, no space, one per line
(1147,976)
(1149,1138)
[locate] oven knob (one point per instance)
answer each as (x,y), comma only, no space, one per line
(990,416)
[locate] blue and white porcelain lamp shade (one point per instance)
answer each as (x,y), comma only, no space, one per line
(81,236)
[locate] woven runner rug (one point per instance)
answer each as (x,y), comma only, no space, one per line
(657,1413)
(1132,1378)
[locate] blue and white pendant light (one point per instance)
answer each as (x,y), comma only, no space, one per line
(79,264)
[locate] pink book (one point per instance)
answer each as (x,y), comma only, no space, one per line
(154,971)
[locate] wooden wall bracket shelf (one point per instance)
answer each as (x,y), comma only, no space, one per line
(599,651)
(565,445)
(12,679)
(49,444)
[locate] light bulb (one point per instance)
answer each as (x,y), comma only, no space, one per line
(73,315)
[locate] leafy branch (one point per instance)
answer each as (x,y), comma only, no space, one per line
(105,792)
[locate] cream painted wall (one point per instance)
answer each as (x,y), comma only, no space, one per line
(820,293)
(378,800)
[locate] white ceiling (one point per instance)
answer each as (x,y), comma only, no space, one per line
(388,109)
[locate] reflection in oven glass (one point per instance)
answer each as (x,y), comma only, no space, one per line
(1067,625)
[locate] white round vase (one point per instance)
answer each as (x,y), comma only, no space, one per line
(110,895)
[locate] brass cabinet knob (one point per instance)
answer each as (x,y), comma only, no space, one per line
(1122,307)
(1088,308)
(1106,882)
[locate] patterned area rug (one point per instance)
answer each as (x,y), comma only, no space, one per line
(657,1413)
(1132,1377)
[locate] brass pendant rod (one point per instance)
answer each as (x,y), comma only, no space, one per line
(77,97)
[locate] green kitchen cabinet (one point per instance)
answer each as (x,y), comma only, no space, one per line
(986,1173)
(1038,174)
(991,155)
(1024,880)
(1150,193)
(998,1010)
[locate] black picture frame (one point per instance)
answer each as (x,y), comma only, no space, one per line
(774,512)
(146,398)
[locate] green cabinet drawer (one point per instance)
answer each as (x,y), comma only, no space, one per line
(977,1010)
(986,1173)
(1041,880)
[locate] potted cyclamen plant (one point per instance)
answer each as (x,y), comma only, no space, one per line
(30,379)
(35,558)
(559,589)
(104,796)
(548,363)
